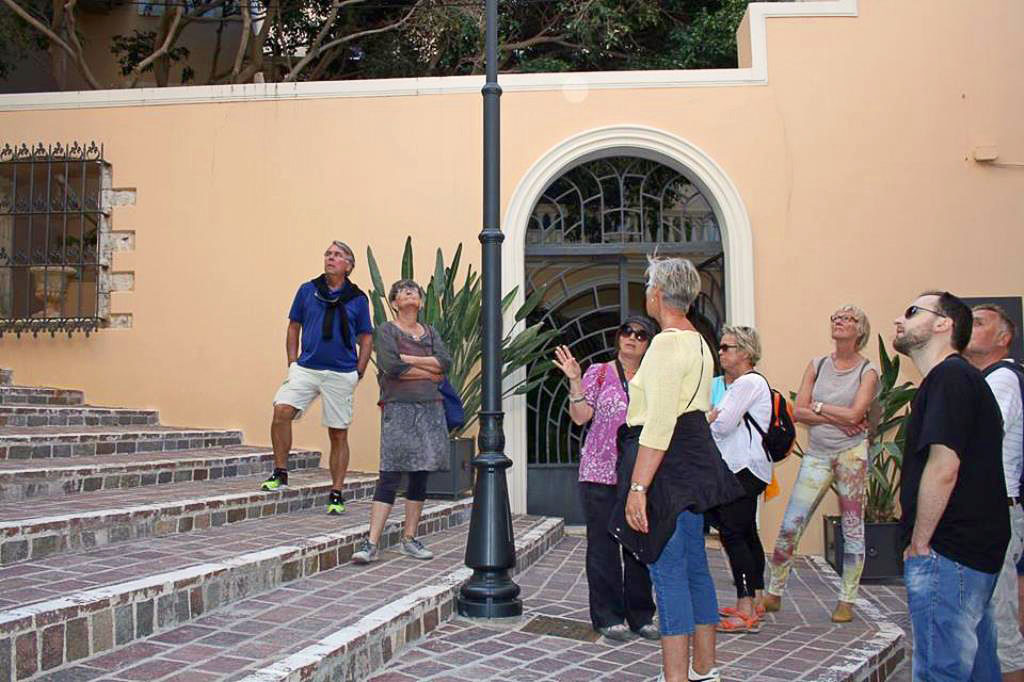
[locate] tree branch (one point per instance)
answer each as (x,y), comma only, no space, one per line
(314,48)
(56,40)
(246,32)
(168,41)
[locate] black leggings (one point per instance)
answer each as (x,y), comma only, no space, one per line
(737,524)
(387,486)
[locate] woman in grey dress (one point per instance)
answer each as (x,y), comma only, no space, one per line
(411,362)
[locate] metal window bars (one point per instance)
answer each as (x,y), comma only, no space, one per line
(53,221)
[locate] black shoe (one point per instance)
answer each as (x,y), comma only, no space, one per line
(336,503)
(278,479)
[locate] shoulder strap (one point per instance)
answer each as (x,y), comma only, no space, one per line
(699,378)
(821,363)
(771,400)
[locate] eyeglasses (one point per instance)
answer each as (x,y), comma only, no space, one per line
(843,318)
(640,335)
(915,309)
(723,347)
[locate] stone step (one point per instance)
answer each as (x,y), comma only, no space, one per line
(28,479)
(75,415)
(227,565)
(35,395)
(21,442)
(61,524)
(57,576)
(340,623)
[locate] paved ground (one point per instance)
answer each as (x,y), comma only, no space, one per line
(798,643)
(242,638)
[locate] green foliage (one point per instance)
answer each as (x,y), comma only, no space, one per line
(132,49)
(885,452)
(18,39)
(452,306)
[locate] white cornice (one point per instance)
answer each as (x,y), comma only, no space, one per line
(756,74)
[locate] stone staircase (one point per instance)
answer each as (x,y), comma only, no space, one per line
(131,550)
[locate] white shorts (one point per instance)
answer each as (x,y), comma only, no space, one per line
(1010,642)
(335,388)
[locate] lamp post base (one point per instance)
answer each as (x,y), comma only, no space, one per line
(489,594)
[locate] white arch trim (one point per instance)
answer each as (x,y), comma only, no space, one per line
(755,73)
(737,238)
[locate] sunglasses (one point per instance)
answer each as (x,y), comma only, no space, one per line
(640,335)
(915,309)
(723,347)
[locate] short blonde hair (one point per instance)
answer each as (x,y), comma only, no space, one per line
(863,325)
(677,279)
(747,341)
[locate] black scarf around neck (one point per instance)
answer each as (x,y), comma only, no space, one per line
(334,303)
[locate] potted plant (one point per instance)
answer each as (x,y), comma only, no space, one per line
(883,550)
(452,305)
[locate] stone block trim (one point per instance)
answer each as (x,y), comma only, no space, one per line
(26,539)
(354,652)
(32,395)
(74,441)
(75,415)
(31,481)
(91,622)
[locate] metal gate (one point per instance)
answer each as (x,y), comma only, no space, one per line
(586,247)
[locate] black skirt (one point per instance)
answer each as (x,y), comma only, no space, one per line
(692,477)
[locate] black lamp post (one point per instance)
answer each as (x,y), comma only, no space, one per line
(491,550)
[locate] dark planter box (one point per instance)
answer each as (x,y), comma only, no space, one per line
(882,545)
(457,481)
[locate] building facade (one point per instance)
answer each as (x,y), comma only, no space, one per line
(843,162)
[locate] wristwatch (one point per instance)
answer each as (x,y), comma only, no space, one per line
(635,487)
(816,407)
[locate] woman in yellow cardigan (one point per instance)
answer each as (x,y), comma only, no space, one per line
(678,475)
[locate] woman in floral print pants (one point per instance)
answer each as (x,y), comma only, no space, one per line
(834,399)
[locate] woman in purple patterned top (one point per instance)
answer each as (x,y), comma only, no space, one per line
(620,587)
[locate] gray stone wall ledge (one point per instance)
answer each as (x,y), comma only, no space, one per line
(35,395)
(34,481)
(15,444)
(75,415)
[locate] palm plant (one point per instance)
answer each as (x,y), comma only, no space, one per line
(885,454)
(452,305)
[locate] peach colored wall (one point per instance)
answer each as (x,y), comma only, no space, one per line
(853,162)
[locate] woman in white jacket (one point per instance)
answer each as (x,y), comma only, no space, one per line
(747,397)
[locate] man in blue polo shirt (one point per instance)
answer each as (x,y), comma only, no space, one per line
(333,316)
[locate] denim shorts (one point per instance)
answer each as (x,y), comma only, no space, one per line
(682,582)
(951,612)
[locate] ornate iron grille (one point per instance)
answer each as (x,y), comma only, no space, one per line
(622,200)
(586,246)
(52,223)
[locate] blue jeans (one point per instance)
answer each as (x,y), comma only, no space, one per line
(682,581)
(952,615)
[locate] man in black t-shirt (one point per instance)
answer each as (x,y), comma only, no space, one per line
(956,523)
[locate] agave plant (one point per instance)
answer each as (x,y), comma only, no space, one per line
(885,453)
(452,306)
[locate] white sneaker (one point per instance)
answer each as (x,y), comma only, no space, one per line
(368,553)
(712,675)
(415,549)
